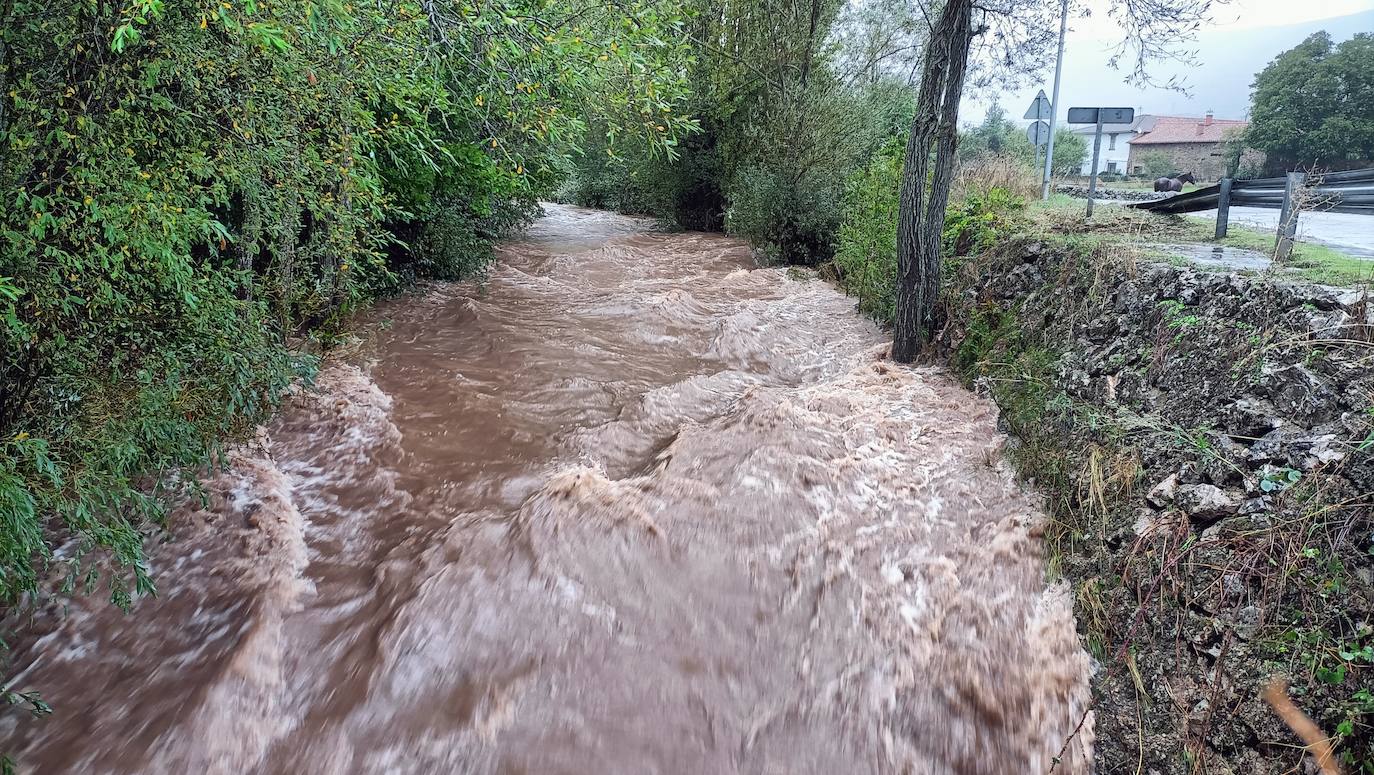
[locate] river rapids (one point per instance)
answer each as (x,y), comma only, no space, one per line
(633,505)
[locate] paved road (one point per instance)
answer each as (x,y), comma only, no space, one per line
(1351,234)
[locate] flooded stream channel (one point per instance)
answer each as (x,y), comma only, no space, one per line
(633,506)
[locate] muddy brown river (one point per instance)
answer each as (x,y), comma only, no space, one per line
(633,506)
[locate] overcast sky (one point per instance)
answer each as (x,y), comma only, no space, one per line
(1243,37)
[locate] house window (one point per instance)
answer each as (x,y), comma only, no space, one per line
(1111,142)
(1111,168)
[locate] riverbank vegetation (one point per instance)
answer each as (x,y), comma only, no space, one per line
(193,192)
(792,98)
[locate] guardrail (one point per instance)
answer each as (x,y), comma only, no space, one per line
(1338,192)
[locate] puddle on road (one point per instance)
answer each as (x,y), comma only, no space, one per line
(1217,256)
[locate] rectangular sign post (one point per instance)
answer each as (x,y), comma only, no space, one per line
(1092,181)
(1098,116)
(1108,115)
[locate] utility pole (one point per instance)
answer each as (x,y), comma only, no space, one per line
(1054,101)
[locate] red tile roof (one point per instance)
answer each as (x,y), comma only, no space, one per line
(1184,129)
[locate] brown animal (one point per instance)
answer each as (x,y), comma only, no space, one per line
(1175,183)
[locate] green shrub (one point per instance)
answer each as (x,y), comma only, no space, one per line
(791,221)
(867,255)
(1157,164)
(866,258)
(973,225)
(445,219)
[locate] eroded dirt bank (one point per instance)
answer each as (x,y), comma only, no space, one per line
(636,506)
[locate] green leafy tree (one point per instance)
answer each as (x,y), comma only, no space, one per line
(792,98)
(867,256)
(1070,148)
(1313,105)
(996,136)
(1157,164)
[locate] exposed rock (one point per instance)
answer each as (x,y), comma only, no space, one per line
(1296,391)
(1325,449)
(1106,192)
(1243,400)
(1163,493)
(1222,466)
(1205,502)
(1352,299)
(1189,473)
(1269,447)
(1022,279)
(1247,622)
(1251,417)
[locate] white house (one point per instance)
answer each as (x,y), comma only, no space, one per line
(1116,139)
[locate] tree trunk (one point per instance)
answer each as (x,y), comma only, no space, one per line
(926,180)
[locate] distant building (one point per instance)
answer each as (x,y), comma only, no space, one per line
(1196,145)
(1115,153)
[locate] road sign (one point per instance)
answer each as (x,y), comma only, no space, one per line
(1038,133)
(1040,107)
(1098,116)
(1105,115)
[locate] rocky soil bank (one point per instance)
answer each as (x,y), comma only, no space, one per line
(1106,192)
(1204,443)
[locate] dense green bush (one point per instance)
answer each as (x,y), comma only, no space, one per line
(972,225)
(790,220)
(867,256)
(1157,164)
(630,179)
(1313,105)
(995,136)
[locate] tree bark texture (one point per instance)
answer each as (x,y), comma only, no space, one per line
(926,178)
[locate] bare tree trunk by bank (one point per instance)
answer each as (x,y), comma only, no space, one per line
(926,180)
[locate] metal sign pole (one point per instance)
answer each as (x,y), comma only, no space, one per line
(1097,146)
(1054,101)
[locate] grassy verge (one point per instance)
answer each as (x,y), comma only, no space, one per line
(1135,230)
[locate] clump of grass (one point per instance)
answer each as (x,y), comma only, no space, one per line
(980,175)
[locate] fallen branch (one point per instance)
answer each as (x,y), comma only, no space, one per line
(1318,744)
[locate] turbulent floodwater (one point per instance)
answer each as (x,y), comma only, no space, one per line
(636,506)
